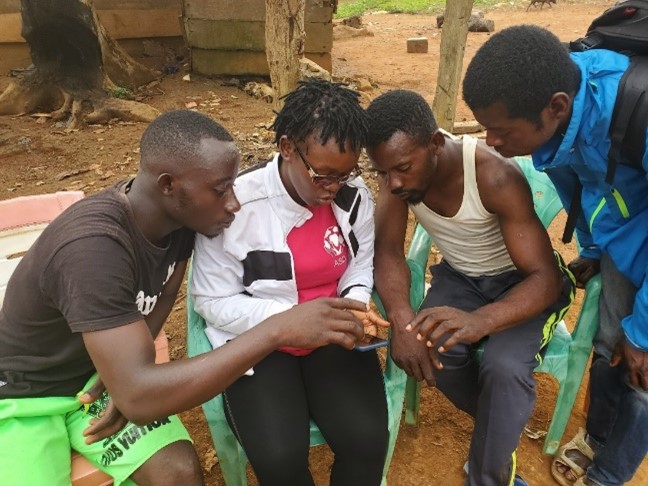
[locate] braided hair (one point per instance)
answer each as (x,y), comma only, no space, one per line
(329,110)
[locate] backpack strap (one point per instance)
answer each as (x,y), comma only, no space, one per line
(630,118)
(575,209)
(592,40)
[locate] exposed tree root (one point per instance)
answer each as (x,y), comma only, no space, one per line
(19,99)
(78,108)
(77,65)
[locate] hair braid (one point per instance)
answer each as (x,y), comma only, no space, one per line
(329,110)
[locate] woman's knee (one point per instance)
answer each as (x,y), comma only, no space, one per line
(281,464)
(368,445)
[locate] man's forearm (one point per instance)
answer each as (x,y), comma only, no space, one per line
(144,391)
(392,277)
(161,390)
(516,307)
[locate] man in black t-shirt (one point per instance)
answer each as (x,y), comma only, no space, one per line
(94,290)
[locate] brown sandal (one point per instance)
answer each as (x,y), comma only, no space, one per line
(577,443)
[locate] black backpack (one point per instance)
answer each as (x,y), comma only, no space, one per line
(622,28)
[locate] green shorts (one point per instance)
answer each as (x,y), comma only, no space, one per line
(38,433)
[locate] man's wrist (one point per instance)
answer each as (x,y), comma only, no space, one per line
(399,320)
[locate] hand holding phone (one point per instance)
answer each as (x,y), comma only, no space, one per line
(369,342)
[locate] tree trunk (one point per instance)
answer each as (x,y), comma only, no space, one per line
(78,67)
(453,45)
(284,41)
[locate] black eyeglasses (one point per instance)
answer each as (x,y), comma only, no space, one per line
(327,180)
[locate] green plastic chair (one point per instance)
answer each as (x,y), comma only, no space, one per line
(567,353)
(231,457)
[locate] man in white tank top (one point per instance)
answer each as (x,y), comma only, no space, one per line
(499,278)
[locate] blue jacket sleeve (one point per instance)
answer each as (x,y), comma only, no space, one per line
(564,180)
(635,325)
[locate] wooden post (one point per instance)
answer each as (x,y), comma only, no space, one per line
(453,45)
(284,40)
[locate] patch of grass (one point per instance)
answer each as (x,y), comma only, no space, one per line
(121,92)
(349,8)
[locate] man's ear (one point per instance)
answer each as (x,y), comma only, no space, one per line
(437,142)
(165,183)
(559,106)
(286,147)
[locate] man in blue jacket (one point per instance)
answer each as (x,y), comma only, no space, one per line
(535,98)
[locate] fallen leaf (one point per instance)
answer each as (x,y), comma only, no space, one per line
(209,460)
(65,175)
(74,185)
(534,434)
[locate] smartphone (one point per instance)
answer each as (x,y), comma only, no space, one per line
(370,342)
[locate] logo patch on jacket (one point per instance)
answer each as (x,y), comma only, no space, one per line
(335,245)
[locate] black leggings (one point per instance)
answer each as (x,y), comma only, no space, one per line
(341,391)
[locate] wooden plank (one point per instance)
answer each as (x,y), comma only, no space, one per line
(9,6)
(10,25)
(210,61)
(137,24)
(225,35)
(236,63)
(225,9)
(120,24)
(13,6)
(251,10)
(246,35)
(14,55)
(137,4)
(318,11)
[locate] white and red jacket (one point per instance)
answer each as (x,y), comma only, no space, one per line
(246,274)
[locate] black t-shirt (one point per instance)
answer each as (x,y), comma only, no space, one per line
(91,269)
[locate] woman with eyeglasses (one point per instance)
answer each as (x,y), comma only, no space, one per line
(305,231)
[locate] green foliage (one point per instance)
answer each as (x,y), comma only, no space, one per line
(121,92)
(349,8)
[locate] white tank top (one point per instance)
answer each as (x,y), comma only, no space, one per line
(470,241)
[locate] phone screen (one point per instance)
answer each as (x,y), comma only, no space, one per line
(370,342)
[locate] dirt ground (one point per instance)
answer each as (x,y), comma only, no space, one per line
(38,156)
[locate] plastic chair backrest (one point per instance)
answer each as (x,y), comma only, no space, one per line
(22,220)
